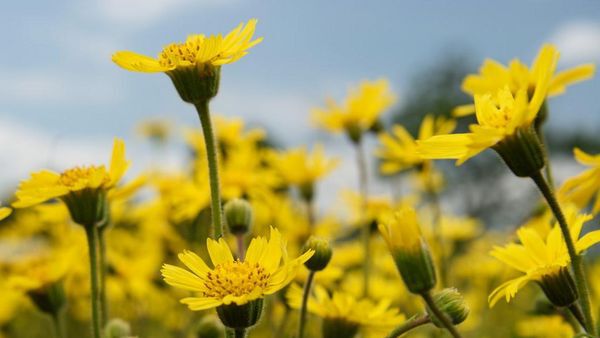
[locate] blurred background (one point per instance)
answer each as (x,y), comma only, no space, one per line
(62,100)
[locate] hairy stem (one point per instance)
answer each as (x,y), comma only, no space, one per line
(92,239)
(413,322)
(305,294)
(213,173)
(102,280)
(440,315)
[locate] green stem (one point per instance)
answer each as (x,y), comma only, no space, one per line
(413,322)
(439,315)
(102,281)
(92,239)
(303,308)
(576,260)
(363,185)
(57,323)
(575,317)
(213,173)
(236,333)
(241,246)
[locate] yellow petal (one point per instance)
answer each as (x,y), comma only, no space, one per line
(199,304)
(219,251)
(118,163)
(570,76)
(463,110)
(194,263)
(4,212)
(138,63)
(181,278)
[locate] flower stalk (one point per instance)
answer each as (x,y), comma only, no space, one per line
(412,323)
(576,260)
(92,238)
(363,185)
(211,154)
(303,308)
(102,280)
(441,317)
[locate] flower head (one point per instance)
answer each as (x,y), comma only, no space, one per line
(265,270)
(583,188)
(398,149)
(343,311)
(543,260)
(359,113)
(83,189)
(517,76)
(214,50)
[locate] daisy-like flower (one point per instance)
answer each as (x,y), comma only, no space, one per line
(194,65)
(4,212)
(359,113)
(231,283)
(344,315)
(398,149)
(83,189)
(505,123)
(494,76)
(585,187)
(300,168)
(544,260)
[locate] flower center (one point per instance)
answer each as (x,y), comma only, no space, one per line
(235,278)
(185,53)
(77,175)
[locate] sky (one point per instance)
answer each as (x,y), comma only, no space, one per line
(62,100)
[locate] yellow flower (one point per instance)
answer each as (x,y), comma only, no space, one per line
(398,150)
(229,132)
(361,110)
(46,185)
(541,259)
(494,76)
(157,130)
(298,167)
(499,115)
(545,327)
(402,232)
(342,307)
(265,270)
(214,50)
(584,187)
(4,212)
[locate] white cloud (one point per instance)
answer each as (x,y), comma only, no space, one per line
(30,85)
(578,41)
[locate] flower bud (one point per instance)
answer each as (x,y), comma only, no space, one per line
(210,327)
(238,215)
(522,152)
(452,304)
(409,250)
(117,328)
(559,287)
(196,84)
(322,254)
(240,316)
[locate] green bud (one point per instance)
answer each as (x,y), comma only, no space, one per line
(210,327)
(117,328)
(522,152)
(238,215)
(240,316)
(559,288)
(338,328)
(322,254)
(50,298)
(416,269)
(452,304)
(197,83)
(87,207)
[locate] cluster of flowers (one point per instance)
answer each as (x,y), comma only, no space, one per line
(390,267)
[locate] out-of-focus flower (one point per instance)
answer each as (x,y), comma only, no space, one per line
(361,110)
(342,312)
(83,189)
(232,281)
(494,76)
(585,187)
(157,130)
(544,327)
(4,212)
(544,260)
(398,150)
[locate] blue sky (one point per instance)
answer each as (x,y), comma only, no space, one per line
(62,99)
